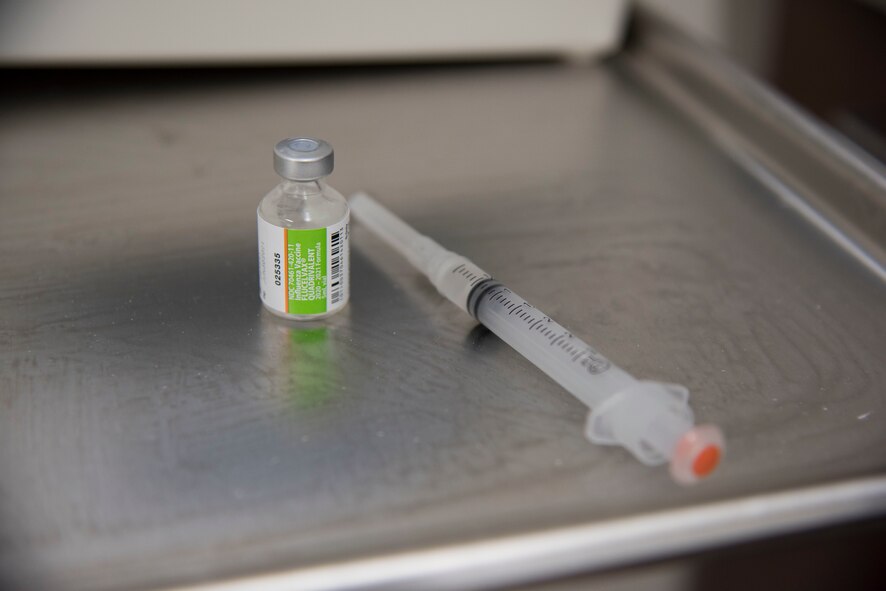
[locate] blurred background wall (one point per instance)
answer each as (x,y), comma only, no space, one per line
(194,32)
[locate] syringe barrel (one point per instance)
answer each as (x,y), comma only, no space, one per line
(569,361)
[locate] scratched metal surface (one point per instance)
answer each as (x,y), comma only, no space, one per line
(157,427)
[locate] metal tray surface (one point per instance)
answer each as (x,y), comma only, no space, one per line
(158,428)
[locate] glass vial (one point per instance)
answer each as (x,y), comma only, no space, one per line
(303,235)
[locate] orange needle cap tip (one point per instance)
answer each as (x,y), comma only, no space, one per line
(697,454)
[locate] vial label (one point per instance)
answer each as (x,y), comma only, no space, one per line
(303,272)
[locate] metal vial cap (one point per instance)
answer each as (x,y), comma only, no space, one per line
(303,159)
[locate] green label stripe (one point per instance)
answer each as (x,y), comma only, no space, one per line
(306,271)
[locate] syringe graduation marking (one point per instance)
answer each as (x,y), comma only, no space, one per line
(472,277)
(563,340)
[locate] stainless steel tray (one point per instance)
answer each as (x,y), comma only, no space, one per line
(157,428)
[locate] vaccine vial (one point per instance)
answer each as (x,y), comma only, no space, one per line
(303,235)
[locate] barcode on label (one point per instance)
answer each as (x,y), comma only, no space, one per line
(335,287)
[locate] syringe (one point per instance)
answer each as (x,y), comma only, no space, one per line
(651,419)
